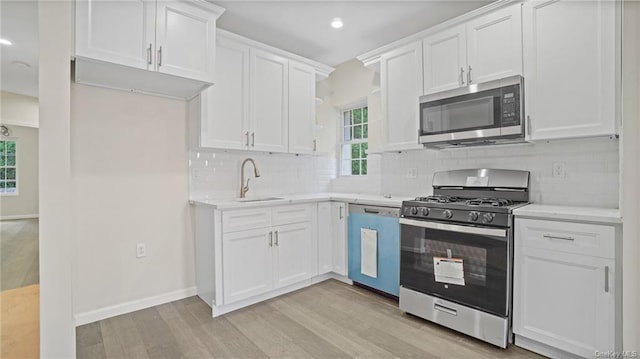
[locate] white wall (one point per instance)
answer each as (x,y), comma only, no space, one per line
(57,330)
(630,174)
(18,109)
(351,83)
(25,203)
(130,185)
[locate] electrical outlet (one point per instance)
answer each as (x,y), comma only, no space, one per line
(141,250)
(195,174)
(412,172)
(558,170)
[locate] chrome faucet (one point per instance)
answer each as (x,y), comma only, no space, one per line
(245,188)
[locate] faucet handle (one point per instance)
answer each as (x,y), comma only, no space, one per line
(246,187)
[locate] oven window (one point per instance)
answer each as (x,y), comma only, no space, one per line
(462,113)
(473,269)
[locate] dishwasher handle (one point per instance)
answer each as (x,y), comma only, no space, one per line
(371,211)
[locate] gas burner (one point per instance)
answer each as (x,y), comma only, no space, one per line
(489,202)
(438,199)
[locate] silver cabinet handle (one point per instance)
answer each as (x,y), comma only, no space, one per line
(314,145)
(149,54)
(160,56)
(270,239)
(461,76)
(246,134)
(276,235)
(606,279)
(529,124)
(253,139)
(340,212)
(469,76)
(447,310)
(548,236)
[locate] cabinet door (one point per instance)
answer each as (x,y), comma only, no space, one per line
(247,265)
(302,107)
(186,40)
(339,246)
(325,238)
(564,300)
(120,32)
(569,63)
(225,106)
(269,110)
(445,60)
(494,45)
(292,250)
(401,87)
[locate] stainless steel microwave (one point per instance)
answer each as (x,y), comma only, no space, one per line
(485,113)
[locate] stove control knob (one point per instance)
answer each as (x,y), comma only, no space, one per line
(414,211)
(487,218)
(424,211)
(447,214)
(473,216)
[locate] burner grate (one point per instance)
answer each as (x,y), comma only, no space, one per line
(489,202)
(439,199)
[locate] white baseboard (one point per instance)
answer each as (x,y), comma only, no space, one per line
(132,306)
(20,216)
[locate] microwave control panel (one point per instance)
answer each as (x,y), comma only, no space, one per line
(510,106)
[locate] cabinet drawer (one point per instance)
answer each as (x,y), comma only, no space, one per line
(233,221)
(291,214)
(578,238)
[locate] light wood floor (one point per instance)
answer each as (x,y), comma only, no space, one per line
(328,320)
(18,253)
(20,324)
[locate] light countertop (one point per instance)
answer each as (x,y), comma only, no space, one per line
(584,214)
(374,200)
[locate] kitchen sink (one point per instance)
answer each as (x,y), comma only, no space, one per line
(257,199)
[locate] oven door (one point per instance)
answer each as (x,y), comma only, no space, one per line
(464,264)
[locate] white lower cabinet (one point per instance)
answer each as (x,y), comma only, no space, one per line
(248,260)
(564,287)
(258,260)
(332,238)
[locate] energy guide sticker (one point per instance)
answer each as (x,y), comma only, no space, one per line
(448,270)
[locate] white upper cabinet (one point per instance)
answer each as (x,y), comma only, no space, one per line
(494,45)
(445,60)
(302,107)
(569,63)
(270,103)
(125,44)
(121,32)
(486,48)
(400,88)
(262,100)
(185,40)
(225,107)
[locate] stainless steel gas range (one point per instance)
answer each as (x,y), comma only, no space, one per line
(456,246)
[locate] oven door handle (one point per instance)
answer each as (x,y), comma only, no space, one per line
(496,232)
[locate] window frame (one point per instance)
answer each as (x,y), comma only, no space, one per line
(15,167)
(342,142)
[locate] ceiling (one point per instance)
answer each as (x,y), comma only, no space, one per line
(303,27)
(19,62)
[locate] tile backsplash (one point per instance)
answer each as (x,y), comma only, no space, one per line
(591,175)
(591,171)
(217,174)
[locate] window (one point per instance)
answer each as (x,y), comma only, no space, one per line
(8,170)
(355,131)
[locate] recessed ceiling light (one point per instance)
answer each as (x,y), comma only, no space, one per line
(336,23)
(5,42)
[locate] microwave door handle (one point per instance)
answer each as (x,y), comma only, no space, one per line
(496,232)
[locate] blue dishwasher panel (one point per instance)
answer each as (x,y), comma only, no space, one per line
(388,229)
